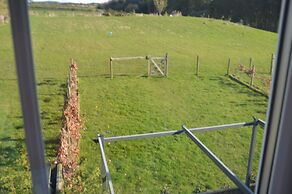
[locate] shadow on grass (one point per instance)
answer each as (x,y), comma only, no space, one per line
(96,75)
(51,112)
(47,82)
(10,151)
(224,81)
(257,100)
(51,147)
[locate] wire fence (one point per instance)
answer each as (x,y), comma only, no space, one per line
(248,74)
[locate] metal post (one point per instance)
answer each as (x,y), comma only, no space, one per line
(103,171)
(251,153)
(218,162)
(105,166)
(28,95)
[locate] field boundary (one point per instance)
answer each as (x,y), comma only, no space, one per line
(250,71)
(232,77)
(68,152)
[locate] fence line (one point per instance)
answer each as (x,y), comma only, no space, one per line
(68,152)
(251,73)
(160,68)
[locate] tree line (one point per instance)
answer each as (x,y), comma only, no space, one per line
(262,14)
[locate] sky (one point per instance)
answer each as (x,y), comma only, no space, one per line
(75,1)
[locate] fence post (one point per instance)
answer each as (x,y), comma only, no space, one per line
(272,63)
(250,62)
(166,65)
(59,179)
(228,66)
(111,69)
(149,65)
(252,76)
(198,65)
(103,171)
(251,153)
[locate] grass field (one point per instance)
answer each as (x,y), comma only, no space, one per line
(3,7)
(133,103)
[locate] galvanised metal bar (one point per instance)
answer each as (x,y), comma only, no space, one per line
(103,171)
(218,162)
(105,166)
(166,133)
(251,153)
(28,95)
(261,123)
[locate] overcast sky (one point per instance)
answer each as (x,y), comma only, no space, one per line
(76,1)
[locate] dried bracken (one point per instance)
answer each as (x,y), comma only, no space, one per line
(68,153)
(249,71)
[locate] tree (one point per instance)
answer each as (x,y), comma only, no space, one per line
(132,7)
(160,5)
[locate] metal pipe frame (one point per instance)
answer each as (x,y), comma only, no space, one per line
(28,95)
(135,58)
(261,123)
(106,177)
(177,132)
(251,153)
(245,189)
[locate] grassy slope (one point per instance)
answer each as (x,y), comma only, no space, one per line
(134,104)
(3,7)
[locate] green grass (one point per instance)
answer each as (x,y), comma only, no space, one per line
(135,104)
(3,7)
(262,77)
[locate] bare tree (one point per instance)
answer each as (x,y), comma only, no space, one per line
(160,5)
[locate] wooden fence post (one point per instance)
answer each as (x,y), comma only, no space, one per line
(250,62)
(149,65)
(228,66)
(272,63)
(111,69)
(252,76)
(198,64)
(166,65)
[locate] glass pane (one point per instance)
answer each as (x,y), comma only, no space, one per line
(140,98)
